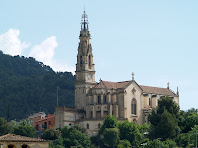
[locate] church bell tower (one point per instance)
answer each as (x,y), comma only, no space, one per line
(85,71)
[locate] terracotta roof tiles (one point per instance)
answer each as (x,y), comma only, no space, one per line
(17,138)
(146,89)
(157,90)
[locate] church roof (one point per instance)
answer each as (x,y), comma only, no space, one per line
(18,138)
(146,89)
(108,84)
(157,90)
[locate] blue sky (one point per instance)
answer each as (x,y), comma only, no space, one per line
(157,40)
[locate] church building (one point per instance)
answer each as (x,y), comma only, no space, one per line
(126,100)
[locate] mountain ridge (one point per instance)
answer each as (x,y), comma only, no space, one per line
(28,86)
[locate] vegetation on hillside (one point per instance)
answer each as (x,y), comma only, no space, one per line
(28,86)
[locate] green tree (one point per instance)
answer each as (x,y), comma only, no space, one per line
(191,121)
(167,126)
(111,137)
(78,139)
(183,140)
(164,120)
(124,144)
(51,134)
(5,128)
(157,143)
(109,122)
(28,131)
(193,134)
(170,143)
(130,132)
(58,143)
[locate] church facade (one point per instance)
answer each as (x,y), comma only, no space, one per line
(126,100)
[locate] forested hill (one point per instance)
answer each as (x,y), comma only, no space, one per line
(28,86)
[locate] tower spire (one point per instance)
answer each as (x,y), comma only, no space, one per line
(84,21)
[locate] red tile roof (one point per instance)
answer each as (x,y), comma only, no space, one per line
(18,138)
(108,84)
(146,89)
(157,90)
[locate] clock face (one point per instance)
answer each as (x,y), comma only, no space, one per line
(89,76)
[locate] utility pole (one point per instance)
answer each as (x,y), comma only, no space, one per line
(57,95)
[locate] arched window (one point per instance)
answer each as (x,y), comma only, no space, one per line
(105,99)
(99,99)
(37,127)
(149,101)
(81,60)
(99,125)
(133,106)
(89,60)
(87,126)
(11,146)
(25,146)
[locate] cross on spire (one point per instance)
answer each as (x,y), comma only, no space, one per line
(168,85)
(133,75)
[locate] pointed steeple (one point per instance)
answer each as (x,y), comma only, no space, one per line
(85,71)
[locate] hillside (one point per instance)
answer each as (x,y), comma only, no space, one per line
(28,86)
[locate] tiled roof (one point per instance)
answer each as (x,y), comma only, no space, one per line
(18,138)
(146,89)
(108,84)
(157,90)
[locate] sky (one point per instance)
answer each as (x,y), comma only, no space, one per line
(157,40)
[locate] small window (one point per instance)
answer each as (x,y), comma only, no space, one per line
(49,122)
(45,125)
(99,99)
(89,60)
(105,99)
(149,101)
(37,127)
(99,125)
(133,106)
(87,126)
(81,60)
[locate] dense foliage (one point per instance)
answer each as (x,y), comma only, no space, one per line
(18,128)
(164,120)
(70,137)
(28,86)
(51,134)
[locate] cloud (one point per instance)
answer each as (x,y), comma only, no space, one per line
(11,44)
(45,51)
